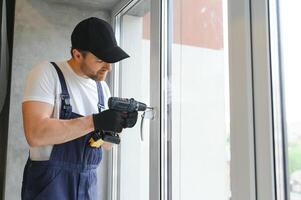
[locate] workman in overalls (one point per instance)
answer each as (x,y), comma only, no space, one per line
(64,104)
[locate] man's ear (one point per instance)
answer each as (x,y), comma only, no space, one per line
(77,55)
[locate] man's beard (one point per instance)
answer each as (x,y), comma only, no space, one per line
(99,76)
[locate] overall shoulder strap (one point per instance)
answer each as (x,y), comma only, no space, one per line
(101,101)
(66,108)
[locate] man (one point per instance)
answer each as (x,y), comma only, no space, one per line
(63,108)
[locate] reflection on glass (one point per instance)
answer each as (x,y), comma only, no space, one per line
(198,79)
(135,83)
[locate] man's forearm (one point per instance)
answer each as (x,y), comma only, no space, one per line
(54,131)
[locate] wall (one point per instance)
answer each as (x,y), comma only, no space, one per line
(42,32)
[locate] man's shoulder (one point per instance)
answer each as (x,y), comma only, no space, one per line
(44,68)
(41,83)
(41,67)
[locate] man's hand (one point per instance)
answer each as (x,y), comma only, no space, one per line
(109,120)
(131,119)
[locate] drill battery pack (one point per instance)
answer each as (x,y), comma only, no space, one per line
(98,138)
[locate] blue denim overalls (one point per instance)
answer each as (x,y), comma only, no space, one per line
(70,173)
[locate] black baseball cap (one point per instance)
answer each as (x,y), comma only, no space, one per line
(96,36)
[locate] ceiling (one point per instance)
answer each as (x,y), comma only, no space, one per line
(94,4)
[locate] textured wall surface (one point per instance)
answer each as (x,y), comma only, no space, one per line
(42,33)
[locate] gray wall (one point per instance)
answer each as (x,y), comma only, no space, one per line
(42,33)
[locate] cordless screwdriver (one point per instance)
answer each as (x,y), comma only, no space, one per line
(119,104)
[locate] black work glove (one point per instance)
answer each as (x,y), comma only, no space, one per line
(130,119)
(109,120)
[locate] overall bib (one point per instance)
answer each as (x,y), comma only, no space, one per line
(70,173)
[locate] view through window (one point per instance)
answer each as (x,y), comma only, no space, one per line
(198,87)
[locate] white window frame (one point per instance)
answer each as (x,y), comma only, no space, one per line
(279,112)
(263,109)
(271,141)
(155,136)
(242,138)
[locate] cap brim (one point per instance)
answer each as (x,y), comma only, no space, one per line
(113,55)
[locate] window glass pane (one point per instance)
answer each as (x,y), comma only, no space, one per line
(289,13)
(199,91)
(135,83)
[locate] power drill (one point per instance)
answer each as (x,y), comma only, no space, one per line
(119,104)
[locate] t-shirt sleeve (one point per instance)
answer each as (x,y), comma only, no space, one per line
(40,84)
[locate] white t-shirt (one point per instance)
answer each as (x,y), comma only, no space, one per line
(42,84)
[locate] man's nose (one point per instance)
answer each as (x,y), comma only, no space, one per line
(108,66)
